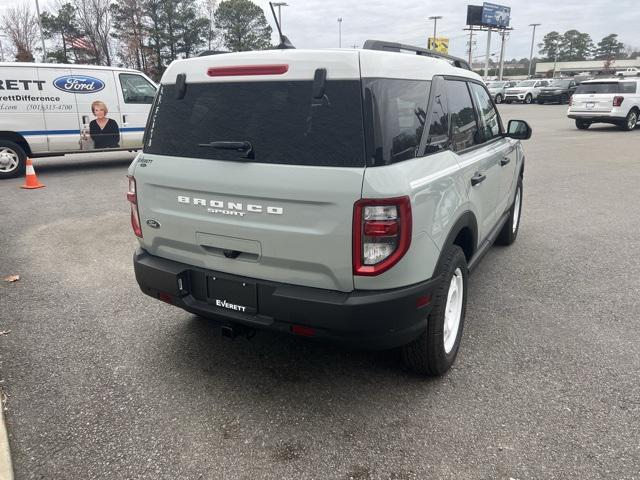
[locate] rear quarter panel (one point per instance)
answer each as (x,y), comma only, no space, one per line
(438,198)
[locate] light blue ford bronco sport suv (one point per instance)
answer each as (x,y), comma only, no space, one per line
(342,195)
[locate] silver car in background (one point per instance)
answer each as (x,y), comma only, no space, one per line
(497,89)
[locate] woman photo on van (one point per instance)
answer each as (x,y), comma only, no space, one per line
(104,131)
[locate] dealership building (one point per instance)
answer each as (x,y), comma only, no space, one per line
(590,66)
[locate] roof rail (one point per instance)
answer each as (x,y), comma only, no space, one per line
(399,47)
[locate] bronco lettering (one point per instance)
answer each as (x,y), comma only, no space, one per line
(229,208)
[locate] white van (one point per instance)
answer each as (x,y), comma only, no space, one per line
(53,109)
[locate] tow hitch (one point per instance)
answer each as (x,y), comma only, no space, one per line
(233,331)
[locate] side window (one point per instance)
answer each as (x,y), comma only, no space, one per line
(628,87)
(487,113)
(136,89)
(464,128)
(397,110)
(438,123)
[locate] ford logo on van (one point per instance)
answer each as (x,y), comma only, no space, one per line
(78,84)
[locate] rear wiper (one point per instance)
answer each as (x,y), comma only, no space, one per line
(242,147)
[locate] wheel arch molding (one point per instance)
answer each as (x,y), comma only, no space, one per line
(16,138)
(464,233)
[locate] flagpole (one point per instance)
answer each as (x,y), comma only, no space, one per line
(44,50)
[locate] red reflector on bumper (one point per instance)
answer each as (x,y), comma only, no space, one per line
(303,331)
(165,297)
(423,300)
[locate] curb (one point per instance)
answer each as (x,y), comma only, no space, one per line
(6,470)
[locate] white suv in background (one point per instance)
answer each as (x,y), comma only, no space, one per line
(526,91)
(613,101)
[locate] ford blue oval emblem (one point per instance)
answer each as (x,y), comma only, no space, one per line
(78,84)
(153,223)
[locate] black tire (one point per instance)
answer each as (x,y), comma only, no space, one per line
(630,122)
(508,102)
(427,354)
(498,99)
(582,124)
(12,150)
(528,98)
(540,102)
(509,233)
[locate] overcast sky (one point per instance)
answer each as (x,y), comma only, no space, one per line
(313,23)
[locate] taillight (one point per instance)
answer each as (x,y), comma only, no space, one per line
(132,197)
(241,70)
(571,101)
(381,234)
(617,101)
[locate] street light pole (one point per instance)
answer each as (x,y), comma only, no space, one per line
(486,60)
(279,5)
(339,32)
(533,36)
(435,19)
(44,51)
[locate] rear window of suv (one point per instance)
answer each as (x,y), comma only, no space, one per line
(281,120)
(600,87)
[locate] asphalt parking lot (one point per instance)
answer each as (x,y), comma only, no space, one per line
(104,382)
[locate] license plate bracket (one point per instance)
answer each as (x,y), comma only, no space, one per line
(231,294)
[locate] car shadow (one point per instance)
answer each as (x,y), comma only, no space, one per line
(71,164)
(271,360)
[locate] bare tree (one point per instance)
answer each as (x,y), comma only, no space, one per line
(94,19)
(213,36)
(21,26)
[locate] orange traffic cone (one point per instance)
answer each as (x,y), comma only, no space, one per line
(31,181)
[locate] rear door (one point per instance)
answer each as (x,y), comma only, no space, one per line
(480,164)
(136,93)
(277,202)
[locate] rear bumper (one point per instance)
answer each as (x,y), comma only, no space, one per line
(377,319)
(594,117)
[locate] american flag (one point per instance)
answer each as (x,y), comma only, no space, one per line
(80,43)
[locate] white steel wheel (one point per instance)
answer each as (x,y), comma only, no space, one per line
(9,160)
(453,310)
(516,210)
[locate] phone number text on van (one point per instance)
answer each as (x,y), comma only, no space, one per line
(48,107)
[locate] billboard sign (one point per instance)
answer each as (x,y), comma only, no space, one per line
(474,15)
(439,44)
(495,15)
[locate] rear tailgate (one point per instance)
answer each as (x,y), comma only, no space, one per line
(595,97)
(284,215)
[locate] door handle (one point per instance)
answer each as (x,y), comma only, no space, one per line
(124,119)
(505,161)
(477,178)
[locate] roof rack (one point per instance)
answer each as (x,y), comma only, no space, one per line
(399,47)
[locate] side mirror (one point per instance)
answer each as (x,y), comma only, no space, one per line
(519,130)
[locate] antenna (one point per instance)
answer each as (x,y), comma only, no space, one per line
(284,41)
